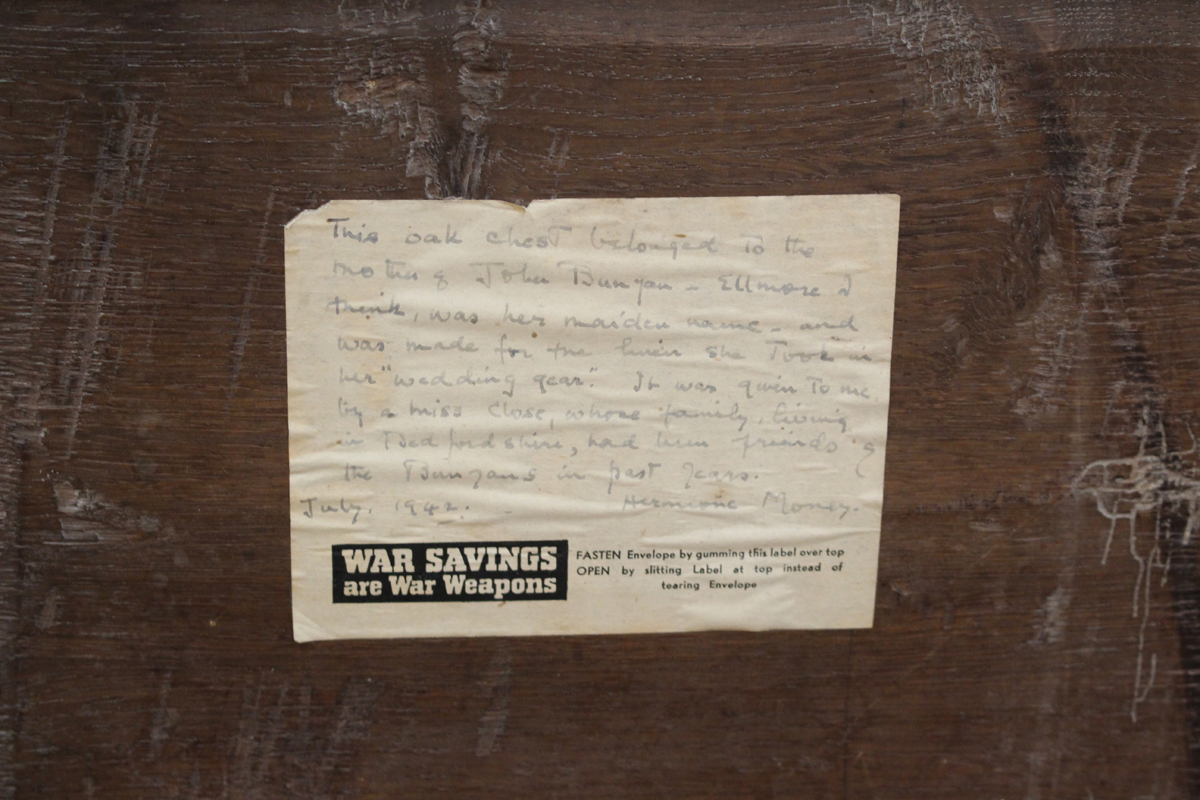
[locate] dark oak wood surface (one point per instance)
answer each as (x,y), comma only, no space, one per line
(1046,369)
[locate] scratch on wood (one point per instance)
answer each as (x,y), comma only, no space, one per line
(86,517)
(1056,335)
(394,92)
(482,79)
(48,616)
(560,148)
(257,740)
(1098,195)
(352,724)
(374,17)
(1052,617)
(274,726)
(94,267)
(1048,741)
(399,99)
(1155,482)
(164,718)
(141,149)
(1181,190)
(956,53)
(398,94)
(1100,209)
(50,216)
(496,681)
(252,281)
(1127,175)
(27,417)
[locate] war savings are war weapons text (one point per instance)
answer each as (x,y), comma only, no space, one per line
(441,572)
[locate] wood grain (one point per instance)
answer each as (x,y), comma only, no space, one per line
(1046,368)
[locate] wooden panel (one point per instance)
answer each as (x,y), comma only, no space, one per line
(1046,369)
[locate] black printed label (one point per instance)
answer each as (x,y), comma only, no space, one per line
(449,572)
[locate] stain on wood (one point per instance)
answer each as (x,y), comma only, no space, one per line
(1038,614)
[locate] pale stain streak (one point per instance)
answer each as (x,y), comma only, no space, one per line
(252,281)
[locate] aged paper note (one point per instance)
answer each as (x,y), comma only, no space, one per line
(588,416)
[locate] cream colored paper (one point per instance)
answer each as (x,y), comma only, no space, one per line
(687,398)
